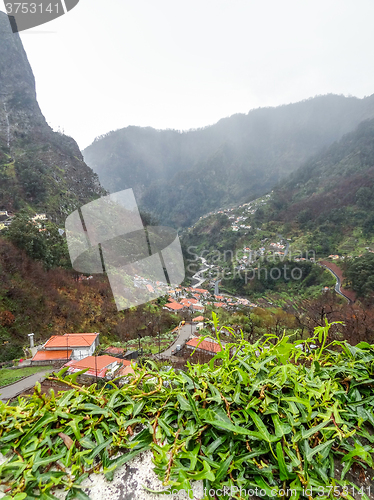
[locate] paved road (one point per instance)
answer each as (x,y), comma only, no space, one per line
(338,284)
(184,333)
(199,275)
(18,387)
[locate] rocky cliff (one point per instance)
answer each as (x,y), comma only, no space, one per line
(39,169)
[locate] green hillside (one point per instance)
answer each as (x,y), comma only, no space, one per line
(326,207)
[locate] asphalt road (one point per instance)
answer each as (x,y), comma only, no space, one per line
(184,333)
(338,284)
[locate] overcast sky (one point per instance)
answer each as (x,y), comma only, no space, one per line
(187,63)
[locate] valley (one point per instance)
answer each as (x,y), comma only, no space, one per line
(252,369)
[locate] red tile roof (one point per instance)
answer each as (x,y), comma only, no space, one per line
(126,370)
(197,307)
(93,363)
(219,304)
(114,350)
(189,301)
(174,306)
(52,355)
(71,340)
(205,345)
(199,319)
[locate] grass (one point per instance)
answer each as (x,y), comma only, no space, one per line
(9,376)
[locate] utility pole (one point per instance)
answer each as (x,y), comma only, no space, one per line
(139,337)
(95,354)
(191,319)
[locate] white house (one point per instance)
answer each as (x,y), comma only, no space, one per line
(81,344)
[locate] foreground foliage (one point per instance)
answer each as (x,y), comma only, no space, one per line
(271,415)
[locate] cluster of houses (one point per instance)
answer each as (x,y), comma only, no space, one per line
(239,223)
(76,351)
(195,300)
(250,207)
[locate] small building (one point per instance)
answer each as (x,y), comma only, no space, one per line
(132,354)
(174,307)
(51,357)
(81,345)
(206,346)
(118,352)
(104,367)
(199,319)
(125,371)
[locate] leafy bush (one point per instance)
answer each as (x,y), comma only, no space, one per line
(272,415)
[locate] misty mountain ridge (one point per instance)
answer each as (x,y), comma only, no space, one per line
(179,176)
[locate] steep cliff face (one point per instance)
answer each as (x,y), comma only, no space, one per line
(39,169)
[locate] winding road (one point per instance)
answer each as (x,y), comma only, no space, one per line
(338,283)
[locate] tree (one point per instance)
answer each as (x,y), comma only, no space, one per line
(40,241)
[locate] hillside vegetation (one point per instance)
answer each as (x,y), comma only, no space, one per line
(277,416)
(181,176)
(326,207)
(53,301)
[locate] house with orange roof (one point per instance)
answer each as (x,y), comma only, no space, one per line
(114,351)
(174,306)
(125,371)
(219,304)
(199,319)
(80,345)
(51,357)
(206,346)
(104,367)
(219,297)
(198,307)
(188,302)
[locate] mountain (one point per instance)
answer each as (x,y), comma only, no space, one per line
(179,176)
(39,169)
(335,187)
(325,207)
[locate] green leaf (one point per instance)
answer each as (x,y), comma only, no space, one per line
(284,474)
(281,429)
(76,493)
(220,424)
(221,472)
(313,430)
(318,449)
(261,427)
(184,404)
